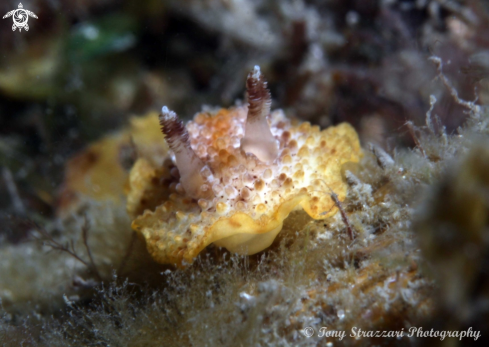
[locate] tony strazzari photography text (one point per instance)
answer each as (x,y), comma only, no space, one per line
(411,332)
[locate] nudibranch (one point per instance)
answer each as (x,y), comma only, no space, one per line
(232,176)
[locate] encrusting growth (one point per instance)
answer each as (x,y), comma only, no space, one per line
(189,165)
(239,173)
(258,138)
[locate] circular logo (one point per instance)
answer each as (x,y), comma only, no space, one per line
(308,332)
(20,18)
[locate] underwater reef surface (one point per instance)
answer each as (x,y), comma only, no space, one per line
(407,248)
(403,242)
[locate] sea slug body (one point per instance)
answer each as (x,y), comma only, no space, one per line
(232,176)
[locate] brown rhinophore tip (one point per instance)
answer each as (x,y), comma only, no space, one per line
(175,133)
(259,97)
